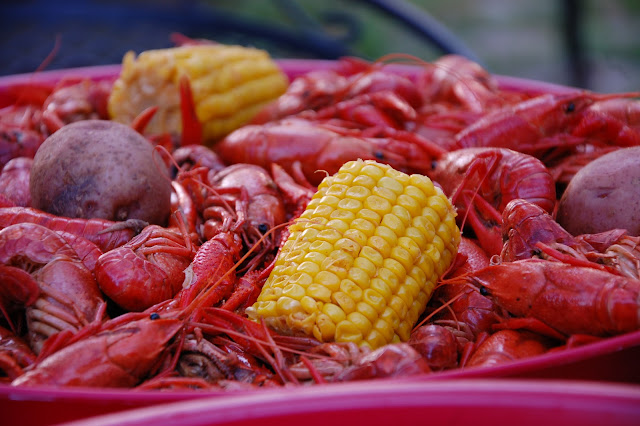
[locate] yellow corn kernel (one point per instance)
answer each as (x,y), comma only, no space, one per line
(357,237)
(392,183)
(344,301)
(334,312)
(229,85)
(367,310)
(375,339)
(286,305)
(324,329)
(319,292)
(346,331)
(309,305)
(293,291)
(387,235)
(410,204)
(371,262)
(351,289)
(361,322)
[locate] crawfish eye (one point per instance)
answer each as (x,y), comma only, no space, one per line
(484,291)
(263,227)
(154,316)
(570,107)
(379,155)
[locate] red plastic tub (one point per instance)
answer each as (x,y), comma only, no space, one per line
(464,402)
(611,360)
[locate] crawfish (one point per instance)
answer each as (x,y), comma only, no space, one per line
(21,128)
(481,181)
(569,299)
(14,181)
(326,360)
(19,290)
(353,78)
(220,360)
(534,126)
(312,90)
(17,141)
(74,100)
(68,295)
(611,122)
(214,265)
(383,109)
(15,354)
(255,340)
(623,255)
(508,345)
(121,352)
(466,312)
(339,362)
(194,156)
(320,149)
(524,224)
(105,234)
(146,270)
(529,231)
(392,360)
(253,194)
(456,80)
(458,316)
(438,346)
(119,355)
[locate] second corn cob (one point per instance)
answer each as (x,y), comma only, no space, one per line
(230,84)
(361,262)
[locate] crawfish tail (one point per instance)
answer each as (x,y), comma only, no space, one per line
(508,345)
(104,233)
(570,299)
(68,295)
(212,271)
(121,357)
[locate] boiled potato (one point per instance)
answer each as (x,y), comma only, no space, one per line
(100,169)
(603,195)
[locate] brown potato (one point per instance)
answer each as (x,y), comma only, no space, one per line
(604,195)
(100,169)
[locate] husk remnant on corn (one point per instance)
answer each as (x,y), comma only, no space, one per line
(230,84)
(361,262)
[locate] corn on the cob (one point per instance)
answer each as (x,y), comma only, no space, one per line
(230,84)
(361,262)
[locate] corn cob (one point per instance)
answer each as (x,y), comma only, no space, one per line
(230,84)
(361,262)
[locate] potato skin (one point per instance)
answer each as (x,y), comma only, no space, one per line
(100,169)
(604,195)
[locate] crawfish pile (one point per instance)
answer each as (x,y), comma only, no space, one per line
(88,302)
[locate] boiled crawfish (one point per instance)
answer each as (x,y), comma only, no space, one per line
(68,297)
(117,356)
(481,181)
(146,270)
(321,149)
(507,346)
(105,234)
(14,181)
(569,299)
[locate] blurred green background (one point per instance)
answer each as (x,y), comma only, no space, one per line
(529,39)
(511,37)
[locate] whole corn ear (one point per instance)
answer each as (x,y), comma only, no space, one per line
(362,261)
(230,84)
